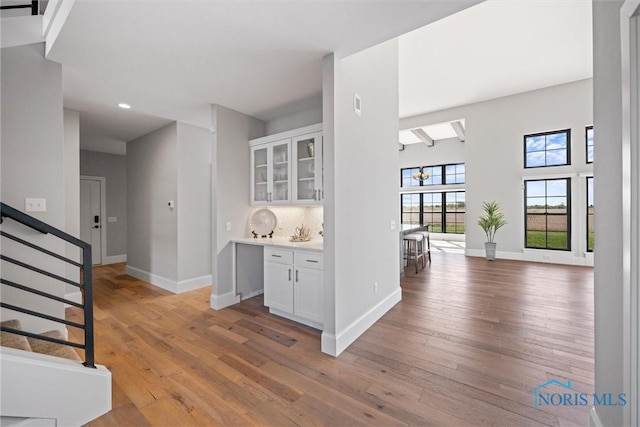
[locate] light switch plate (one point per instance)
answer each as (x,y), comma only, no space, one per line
(35,205)
(392,224)
(227,226)
(112,219)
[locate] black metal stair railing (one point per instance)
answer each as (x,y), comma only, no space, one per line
(32,5)
(85,285)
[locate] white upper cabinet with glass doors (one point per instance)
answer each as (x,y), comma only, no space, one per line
(271,173)
(287,168)
(307,156)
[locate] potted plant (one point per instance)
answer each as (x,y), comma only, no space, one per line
(491,221)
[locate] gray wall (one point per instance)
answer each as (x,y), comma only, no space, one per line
(152,227)
(194,202)
(305,117)
(608,269)
(494,158)
(230,186)
(72,192)
(443,152)
(113,168)
(32,165)
(354,146)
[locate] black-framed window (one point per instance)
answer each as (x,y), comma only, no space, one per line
(410,206)
(443,212)
(453,173)
(548,214)
(455,212)
(406,179)
(590,215)
(589,143)
(547,149)
(432,211)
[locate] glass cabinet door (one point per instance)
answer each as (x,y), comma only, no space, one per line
(280,173)
(306,168)
(260,175)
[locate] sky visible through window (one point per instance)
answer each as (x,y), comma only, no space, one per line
(546,150)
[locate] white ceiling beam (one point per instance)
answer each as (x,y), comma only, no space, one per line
(422,136)
(459,129)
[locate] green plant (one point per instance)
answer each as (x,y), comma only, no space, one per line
(492,219)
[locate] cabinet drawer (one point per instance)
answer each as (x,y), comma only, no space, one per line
(278,255)
(309,260)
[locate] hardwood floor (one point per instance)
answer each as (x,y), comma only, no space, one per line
(468,342)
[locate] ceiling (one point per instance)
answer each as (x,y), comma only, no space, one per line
(173,60)
(263,57)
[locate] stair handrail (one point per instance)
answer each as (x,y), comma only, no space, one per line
(86,284)
(33,5)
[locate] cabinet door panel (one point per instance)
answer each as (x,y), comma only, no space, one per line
(308,294)
(307,158)
(260,175)
(278,286)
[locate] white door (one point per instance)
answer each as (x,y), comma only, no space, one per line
(90,217)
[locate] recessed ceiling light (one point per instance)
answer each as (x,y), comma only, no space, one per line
(125,106)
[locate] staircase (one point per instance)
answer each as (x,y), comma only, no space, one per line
(44,380)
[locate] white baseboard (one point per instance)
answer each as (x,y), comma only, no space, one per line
(252,294)
(336,344)
(594,419)
(168,284)
(536,255)
(114,259)
(75,296)
(154,279)
(218,302)
(195,283)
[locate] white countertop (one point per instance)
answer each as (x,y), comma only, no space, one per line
(315,245)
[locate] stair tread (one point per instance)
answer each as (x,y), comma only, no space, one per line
(53,349)
(7,339)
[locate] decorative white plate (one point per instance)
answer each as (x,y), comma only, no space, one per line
(263,222)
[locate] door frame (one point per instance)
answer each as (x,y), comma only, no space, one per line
(103,213)
(630,53)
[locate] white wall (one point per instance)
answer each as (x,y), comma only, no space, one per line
(608,271)
(494,161)
(230,192)
(72,191)
(442,152)
(152,227)
(32,165)
(194,204)
(305,117)
(359,246)
(113,168)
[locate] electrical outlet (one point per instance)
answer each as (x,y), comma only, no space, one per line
(375,287)
(392,224)
(35,205)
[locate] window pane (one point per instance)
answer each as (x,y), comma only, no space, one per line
(556,141)
(556,157)
(557,232)
(556,187)
(535,143)
(536,189)
(535,159)
(536,205)
(590,144)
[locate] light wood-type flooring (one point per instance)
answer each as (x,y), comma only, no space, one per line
(468,342)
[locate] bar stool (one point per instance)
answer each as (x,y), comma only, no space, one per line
(412,244)
(426,247)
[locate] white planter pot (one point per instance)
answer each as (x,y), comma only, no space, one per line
(490,250)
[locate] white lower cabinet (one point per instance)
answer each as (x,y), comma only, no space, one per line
(293,285)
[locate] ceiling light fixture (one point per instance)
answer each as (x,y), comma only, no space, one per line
(421,176)
(125,106)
